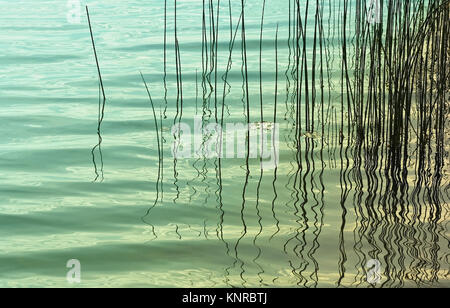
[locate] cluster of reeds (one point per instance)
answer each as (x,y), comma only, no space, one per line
(369,97)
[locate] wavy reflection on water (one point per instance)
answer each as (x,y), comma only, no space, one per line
(361,177)
(382,212)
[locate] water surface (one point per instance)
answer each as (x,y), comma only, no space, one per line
(315,221)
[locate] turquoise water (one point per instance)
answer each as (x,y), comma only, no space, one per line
(317,226)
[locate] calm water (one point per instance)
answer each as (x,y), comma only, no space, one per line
(313,226)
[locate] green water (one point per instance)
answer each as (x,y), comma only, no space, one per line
(313,229)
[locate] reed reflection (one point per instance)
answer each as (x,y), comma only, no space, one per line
(362,153)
